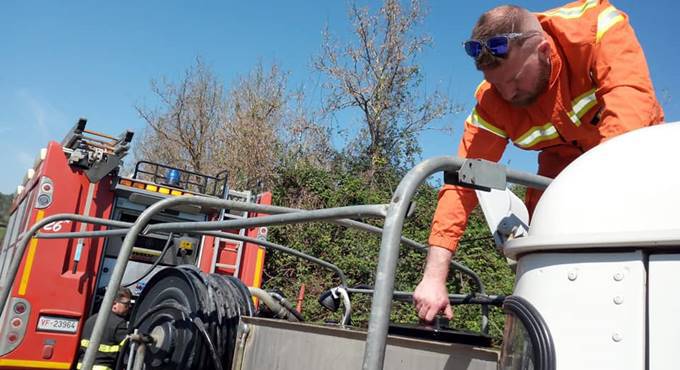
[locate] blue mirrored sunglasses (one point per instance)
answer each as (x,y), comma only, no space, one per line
(498,45)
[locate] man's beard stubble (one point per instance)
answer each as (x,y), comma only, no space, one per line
(540,86)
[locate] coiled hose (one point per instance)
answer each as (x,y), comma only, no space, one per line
(192,318)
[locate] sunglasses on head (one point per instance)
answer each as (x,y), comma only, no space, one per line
(497,46)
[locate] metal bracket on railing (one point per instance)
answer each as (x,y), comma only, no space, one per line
(478,174)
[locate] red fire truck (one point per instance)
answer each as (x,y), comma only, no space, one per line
(60,282)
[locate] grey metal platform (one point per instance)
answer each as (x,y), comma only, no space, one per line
(280,345)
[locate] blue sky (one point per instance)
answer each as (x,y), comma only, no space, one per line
(64,60)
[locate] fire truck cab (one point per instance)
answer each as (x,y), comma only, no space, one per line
(597,271)
(61,282)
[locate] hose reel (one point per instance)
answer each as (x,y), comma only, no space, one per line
(190,318)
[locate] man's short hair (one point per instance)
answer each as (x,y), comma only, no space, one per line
(500,20)
(124,295)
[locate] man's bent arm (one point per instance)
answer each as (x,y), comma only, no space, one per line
(625,88)
(455,203)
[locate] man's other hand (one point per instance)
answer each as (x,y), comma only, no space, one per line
(431,296)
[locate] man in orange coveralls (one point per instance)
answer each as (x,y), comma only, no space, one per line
(559,82)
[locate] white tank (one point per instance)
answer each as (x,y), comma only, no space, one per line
(601,263)
(625,192)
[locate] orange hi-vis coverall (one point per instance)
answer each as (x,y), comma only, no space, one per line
(599,87)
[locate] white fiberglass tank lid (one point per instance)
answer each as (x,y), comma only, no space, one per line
(625,192)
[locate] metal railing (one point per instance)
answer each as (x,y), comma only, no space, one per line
(394,213)
(374,351)
(189,180)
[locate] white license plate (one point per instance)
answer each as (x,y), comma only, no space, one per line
(60,324)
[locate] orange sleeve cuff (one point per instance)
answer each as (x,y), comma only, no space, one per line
(439,241)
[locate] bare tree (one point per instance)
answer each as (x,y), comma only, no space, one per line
(183,129)
(250,141)
(378,74)
(248,130)
(305,139)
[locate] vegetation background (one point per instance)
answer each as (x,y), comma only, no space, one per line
(264,134)
(262,131)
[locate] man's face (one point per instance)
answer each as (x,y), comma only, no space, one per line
(522,76)
(121,307)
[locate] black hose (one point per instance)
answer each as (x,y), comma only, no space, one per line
(201,329)
(209,306)
(286,303)
(163,306)
(245,296)
(155,263)
(196,321)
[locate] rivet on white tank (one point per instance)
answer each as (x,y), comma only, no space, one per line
(618,299)
(617,337)
(618,276)
(572,275)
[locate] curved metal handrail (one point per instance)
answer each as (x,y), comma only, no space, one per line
(141,226)
(378,324)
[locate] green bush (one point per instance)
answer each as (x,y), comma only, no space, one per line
(356,252)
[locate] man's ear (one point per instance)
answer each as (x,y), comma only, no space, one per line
(544,48)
